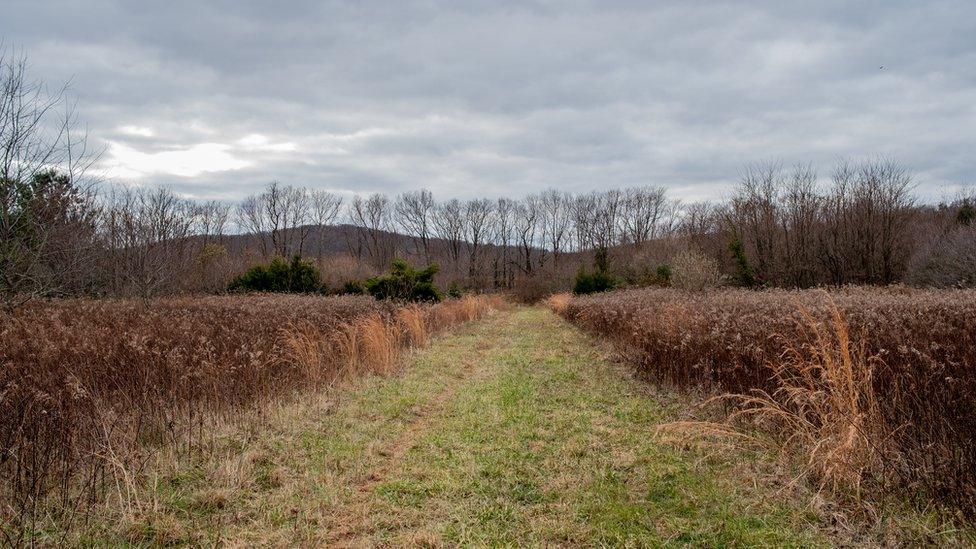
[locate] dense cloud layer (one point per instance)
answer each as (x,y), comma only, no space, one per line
(503,98)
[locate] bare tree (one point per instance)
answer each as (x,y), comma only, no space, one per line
(210,219)
(47,206)
(325,207)
(697,222)
(753,217)
(557,220)
(289,214)
(525,224)
(372,216)
(449,222)
(795,235)
(880,208)
(799,221)
(147,232)
(584,211)
(504,212)
(283,214)
(646,213)
(212,267)
(477,224)
(251,220)
(607,220)
(415,215)
(297,220)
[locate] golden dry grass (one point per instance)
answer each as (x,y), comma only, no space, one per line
(557,303)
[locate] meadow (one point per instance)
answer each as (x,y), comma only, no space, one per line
(89,389)
(123,423)
(870,389)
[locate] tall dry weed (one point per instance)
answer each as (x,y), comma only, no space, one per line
(379,345)
(824,407)
(557,303)
(413,322)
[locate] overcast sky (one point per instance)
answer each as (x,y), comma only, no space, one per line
(495,98)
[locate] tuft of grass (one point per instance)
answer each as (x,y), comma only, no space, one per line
(825,405)
(557,303)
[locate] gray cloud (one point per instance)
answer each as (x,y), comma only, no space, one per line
(504,98)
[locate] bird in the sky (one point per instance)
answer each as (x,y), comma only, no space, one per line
(881,67)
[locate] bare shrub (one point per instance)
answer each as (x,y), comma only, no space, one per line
(532,289)
(693,270)
(341,268)
(949,260)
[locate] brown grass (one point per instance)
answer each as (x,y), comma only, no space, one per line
(825,405)
(89,388)
(413,323)
(872,389)
(558,303)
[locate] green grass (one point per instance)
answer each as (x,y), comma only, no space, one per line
(554,446)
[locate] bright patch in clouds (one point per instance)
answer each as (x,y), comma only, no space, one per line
(140,131)
(126,162)
(258,142)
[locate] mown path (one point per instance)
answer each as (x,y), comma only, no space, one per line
(513,431)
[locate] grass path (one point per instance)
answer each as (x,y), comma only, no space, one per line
(513,431)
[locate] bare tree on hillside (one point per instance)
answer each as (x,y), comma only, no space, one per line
(290,210)
(275,210)
(415,215)
(372,215)
(557,221)
(210,219)
(325,208)
(477,225)
(449,222)
(251,220)
(281,213)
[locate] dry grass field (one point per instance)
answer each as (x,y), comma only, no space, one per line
(871,389)
(90,389)
(274,420)
(513,431)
